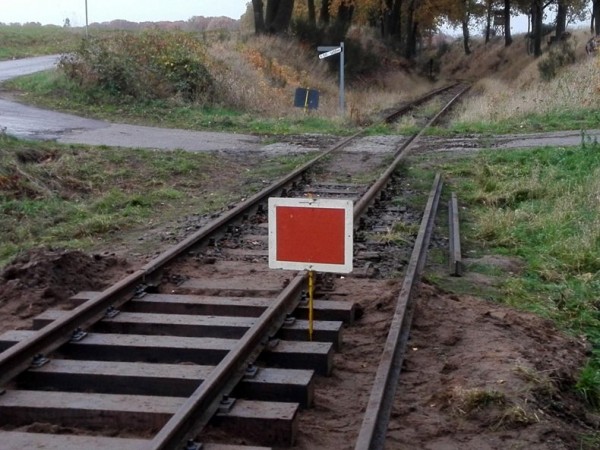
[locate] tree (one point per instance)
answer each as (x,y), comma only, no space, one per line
(507,35)
(312,14)
(595,25)
(391,19)
(488,19)
(412,29)
(561,18)
(324,14)
(259,20)
(276,19)
(537,22)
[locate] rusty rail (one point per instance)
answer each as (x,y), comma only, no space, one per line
(374,426)
(195,413)
(417,102)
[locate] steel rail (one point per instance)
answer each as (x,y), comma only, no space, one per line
(455,259)
(195,413)
(405,148)
(417,102)
(374,426)
(401,153)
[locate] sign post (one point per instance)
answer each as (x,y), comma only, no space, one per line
(330,51)
(311,234)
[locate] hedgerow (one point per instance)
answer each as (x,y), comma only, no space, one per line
(146,66)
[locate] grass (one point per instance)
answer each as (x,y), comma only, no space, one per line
(400,233)
(19,41)
(555,120)
(74,197)
(466,401)
(539,206)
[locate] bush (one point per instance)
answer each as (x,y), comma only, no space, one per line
(147,66)
(560,55)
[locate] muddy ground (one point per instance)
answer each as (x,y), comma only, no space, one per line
(477,375)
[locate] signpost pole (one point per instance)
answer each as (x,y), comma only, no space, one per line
(342,100)
(311,291)
(306,101)
(86,19)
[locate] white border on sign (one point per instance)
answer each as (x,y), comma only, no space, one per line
(306,202)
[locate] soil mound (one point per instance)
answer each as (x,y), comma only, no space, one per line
(43,278)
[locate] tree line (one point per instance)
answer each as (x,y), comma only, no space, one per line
(404,23)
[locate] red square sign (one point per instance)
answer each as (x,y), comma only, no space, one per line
(310,234)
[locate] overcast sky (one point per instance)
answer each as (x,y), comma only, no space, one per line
(56,11)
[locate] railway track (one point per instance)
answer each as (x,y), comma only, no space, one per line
(204,337)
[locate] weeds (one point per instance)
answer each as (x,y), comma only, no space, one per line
(399,233)
(588,385)
(466,401)
(515,416)
(72,197)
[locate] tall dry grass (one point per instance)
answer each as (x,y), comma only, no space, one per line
(262,73)
(515,87)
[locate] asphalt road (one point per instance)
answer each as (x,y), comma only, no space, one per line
(35,123)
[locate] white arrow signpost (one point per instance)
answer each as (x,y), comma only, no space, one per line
(335,51)
(330,51)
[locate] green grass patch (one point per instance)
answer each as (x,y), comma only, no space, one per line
(20,41)
(557,120)
(73,197)
(542,207)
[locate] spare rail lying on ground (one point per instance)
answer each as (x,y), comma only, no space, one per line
(455,258)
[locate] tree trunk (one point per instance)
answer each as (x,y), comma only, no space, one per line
(488,22)
(411,38)
(395,19)
(345,13)
(279,15)
(259,20)
(325,12)
(537,19)
(595,25)
(391,20)
(561,19)
(465,30)
(507,36)
(312,14)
